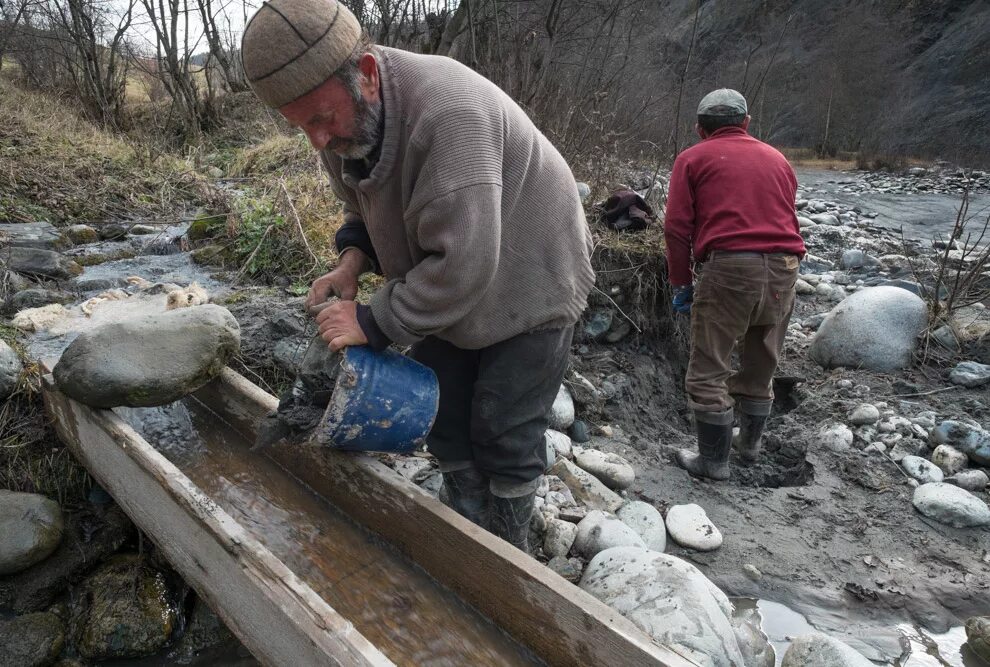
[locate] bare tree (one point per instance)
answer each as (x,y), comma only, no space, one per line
(221,43)
(11,13)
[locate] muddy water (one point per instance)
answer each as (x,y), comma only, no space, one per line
(920,648)
(396,606)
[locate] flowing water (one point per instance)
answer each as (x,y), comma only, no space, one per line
(919,647)
(397,606)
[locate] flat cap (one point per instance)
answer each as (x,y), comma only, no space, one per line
(723,102)
(290,47)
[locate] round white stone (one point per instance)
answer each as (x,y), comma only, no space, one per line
(690,527)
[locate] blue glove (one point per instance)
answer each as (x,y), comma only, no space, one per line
(683,296)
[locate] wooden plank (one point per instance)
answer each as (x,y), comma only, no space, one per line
(558,621)
(280,619)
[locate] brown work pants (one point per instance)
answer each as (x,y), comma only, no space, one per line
(746,298)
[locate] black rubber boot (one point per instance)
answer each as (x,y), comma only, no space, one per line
(712,458)
(466,492)
(750,439)
(510,519)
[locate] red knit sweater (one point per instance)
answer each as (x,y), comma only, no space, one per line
(729,192)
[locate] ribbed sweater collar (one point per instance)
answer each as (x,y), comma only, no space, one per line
(383,169)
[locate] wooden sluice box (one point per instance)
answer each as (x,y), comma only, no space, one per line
(412,583)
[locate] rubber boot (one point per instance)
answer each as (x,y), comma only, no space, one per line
(511,517)
(750,439)
(466,492)
(712,457)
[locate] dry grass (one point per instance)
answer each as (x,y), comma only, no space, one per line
(32,459)
(59,167)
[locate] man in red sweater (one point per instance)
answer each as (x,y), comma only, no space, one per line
(731,206)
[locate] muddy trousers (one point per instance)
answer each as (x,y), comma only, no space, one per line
(746,298)
(494,404)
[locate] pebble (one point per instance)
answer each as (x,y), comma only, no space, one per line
(970,374)
(573,514)
(579,432)
(648,523)
(835,437)
(921,470)
(559,537)
(613,470)
(864,414)
(949,459)
(690,527)
(971,480)
(568,568)
(752,572)
(562,412)
(951,505)
(600,531)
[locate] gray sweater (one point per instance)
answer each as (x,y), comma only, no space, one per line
(473,215)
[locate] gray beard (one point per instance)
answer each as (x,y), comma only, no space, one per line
(367,132)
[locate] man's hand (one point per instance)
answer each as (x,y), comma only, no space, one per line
(342,281)
(683,297)
(339,325)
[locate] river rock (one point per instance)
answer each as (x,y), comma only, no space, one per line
(864,414)
(951,505)
(835,437)
(148,360)
(32,640)
(818,650)
(855,259)
(806,223)
(30,530)
(690,527)
(560,443)
(669,599)
(584,190)
(36,297)
(971,440)
(922,470)
(648,523)
(10,370)
(825,219)
(970,374)
(753,644)
(562,412)
(949,459)
(81,234)
(978,636)
(559,537)
(586,488)
(875,328)
(971,480)
(123,610)
(38,262)
(41,235)
(568,568)
(802,287)
(600,531)
(613,470)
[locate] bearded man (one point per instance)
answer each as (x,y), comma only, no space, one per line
(472,216)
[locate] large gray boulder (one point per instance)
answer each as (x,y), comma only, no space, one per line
(875,328)
(669,599)
(951,505)
(38,262)
(30,530)
(32,640)
(42,235)
(149,360)
(10,370)
(818,650)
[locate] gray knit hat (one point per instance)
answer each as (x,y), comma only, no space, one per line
(290,47)
(723,102)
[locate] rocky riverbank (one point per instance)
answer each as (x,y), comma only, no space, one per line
(868,508)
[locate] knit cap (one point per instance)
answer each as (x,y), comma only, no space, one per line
(723,102)
(290,47)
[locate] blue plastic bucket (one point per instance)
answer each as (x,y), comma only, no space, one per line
(382,402)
